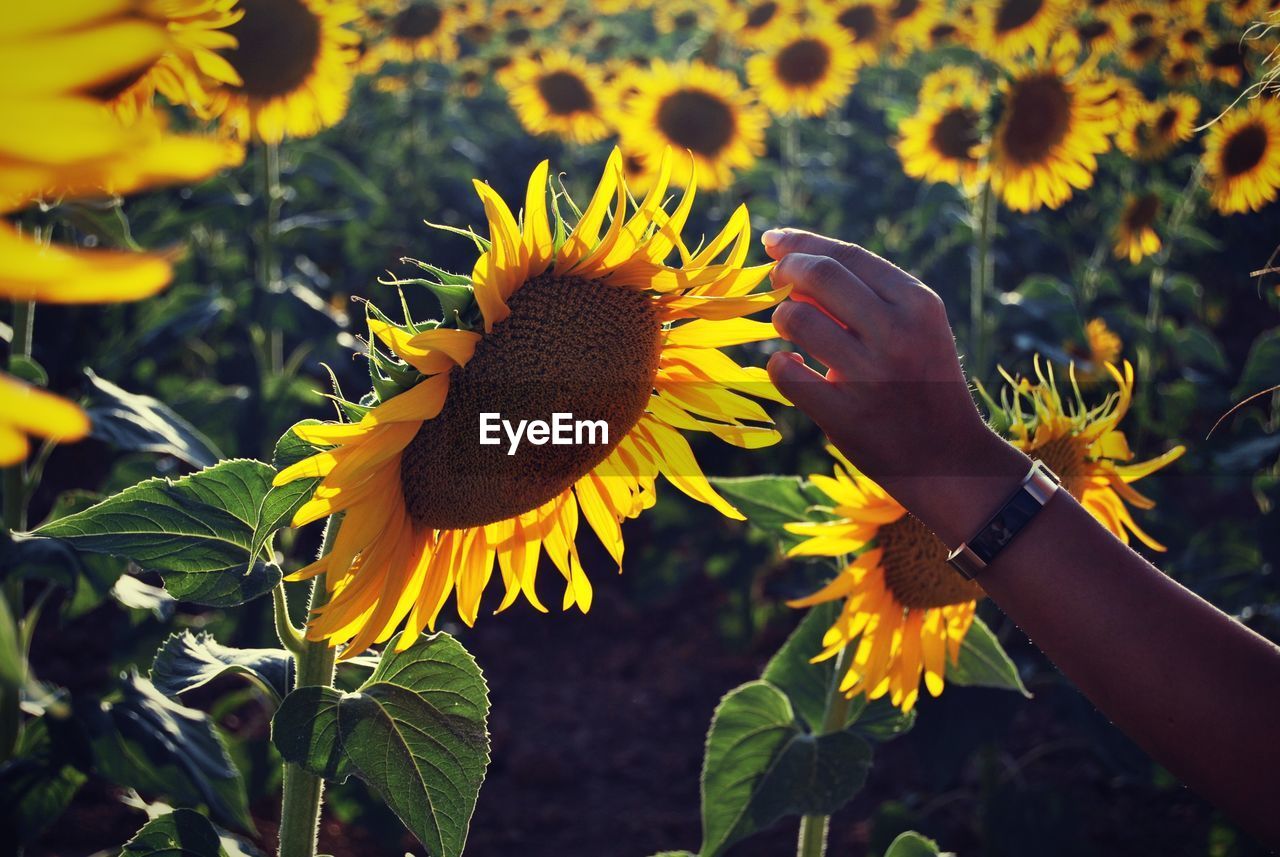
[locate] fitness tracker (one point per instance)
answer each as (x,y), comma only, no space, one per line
(1037,487)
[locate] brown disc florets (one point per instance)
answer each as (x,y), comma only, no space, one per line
(916,570)
(570,346)
(278,42)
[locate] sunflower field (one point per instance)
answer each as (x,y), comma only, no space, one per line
(265,265)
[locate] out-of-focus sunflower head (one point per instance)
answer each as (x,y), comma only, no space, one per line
(1099,34)
(295,60)
(683,18)
(905,609)
(754,23)
(1158,127)
(1006,30)
(1242,157)
(866,22)
(1100,346)
(558,93)
(910,22)
(585,319)
(945,140)
(808,70)
(1135,233)
(1082,444)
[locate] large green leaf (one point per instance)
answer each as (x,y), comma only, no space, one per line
(136,423)
(762,765)
(983,662)
(181,833)
(911,844)
(1262,367)
(414,731)
(771,501)
(187,661)
(148,742)
(36,785)
(283,501)
(199,532)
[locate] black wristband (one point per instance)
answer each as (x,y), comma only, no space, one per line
(1037,487)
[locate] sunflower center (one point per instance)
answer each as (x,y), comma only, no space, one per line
(1091,31)
(1039,118)
(761,14)
(565,93)
(1067,457)
(685,20)
(1165,121)
(956,134)
(803,62)
(1141,20)
(1226,55)
(278,43)
(696,120)
(1017,13)
(916,569)
(1192,37)
(1244,150)
(1141,213)
(862,22)
(1144,46)
(903,9)
(114,88)
(417,21)
(569,346)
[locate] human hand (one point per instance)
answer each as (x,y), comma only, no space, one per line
(894,399)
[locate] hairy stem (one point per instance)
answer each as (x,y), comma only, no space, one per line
(981,281)
(304,792)
(813,828)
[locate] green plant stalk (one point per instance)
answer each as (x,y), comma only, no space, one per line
(303,791)
(981,282)
(15,519)
(788,186)
(813,828)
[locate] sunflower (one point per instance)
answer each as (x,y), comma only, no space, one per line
(905,607)
(697,108)
(53,59)
(1226,62)
(196,30)
(294,58)
(754,23)
(1243,12)
(943,140)
(1159,127)
(867,24)
(1099,35)
(1189,39)
(1102,347)
(1055,119)
(910,22)
(1135,234)
(682,17)
(1083,445)
(581,323)
(1242,157)
(559,94)
(1143,48)
(949,33)
(1006,29)
(1180,72)
(423,30)
(808,71)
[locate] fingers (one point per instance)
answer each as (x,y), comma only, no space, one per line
(824,281)
(880,275)
(811,330)
(805,388)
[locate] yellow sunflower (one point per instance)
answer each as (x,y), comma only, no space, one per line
(1083,445)
(1143,47)
(1242,157)
(754,23)
(421,30)
(1055,119)
(1102,346)
(905,608)
(1159,127)
(910,22)
(867,24)
(1099,35)
(559,94)
(1243,12)
(682,17)
(54,58)
(1135,234)
(571,322)
(943,141)
(197,30)
(295,60)
(697,108)
(1180,72)
(954,32)
(1007,29)
(809,70)
(1226,62)
(1189,40)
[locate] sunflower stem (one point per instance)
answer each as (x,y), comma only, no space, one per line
(813,828)
(289,636)
(269,155)
(304,791)
(982,281)
(789,150)
(15,518)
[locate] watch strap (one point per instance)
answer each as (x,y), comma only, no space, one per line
(1037,487)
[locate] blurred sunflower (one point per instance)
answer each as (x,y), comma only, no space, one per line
(470,77)
(910,22)
(558,93)
(1242,157)
(1006,29)
(1189,39)
(753,23)
(905,606)
(949,33)
(1159,127)
(422,30)
(697,108)
(1099,35)
(197,30)
(1226,62)
(1143,48)
(807,71)
(54,59)
(867,24)
(1180,72)
(1243,12)
(570,321)
(943,140)
(1102,347)
(1135,235)
(1083,446)
(294,58)
(683,17)
(1055,119)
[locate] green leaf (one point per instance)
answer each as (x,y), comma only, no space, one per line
(36,785)
(769,502)
(761,765)
(181,833)
(148,742)
(983,662)
(911,844)
(136,423)
(28,370)
(34,557)
(198,532)
(1262,367)
(186,661)
(283,501)
(414,732)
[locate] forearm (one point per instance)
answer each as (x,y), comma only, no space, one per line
(1196,689)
